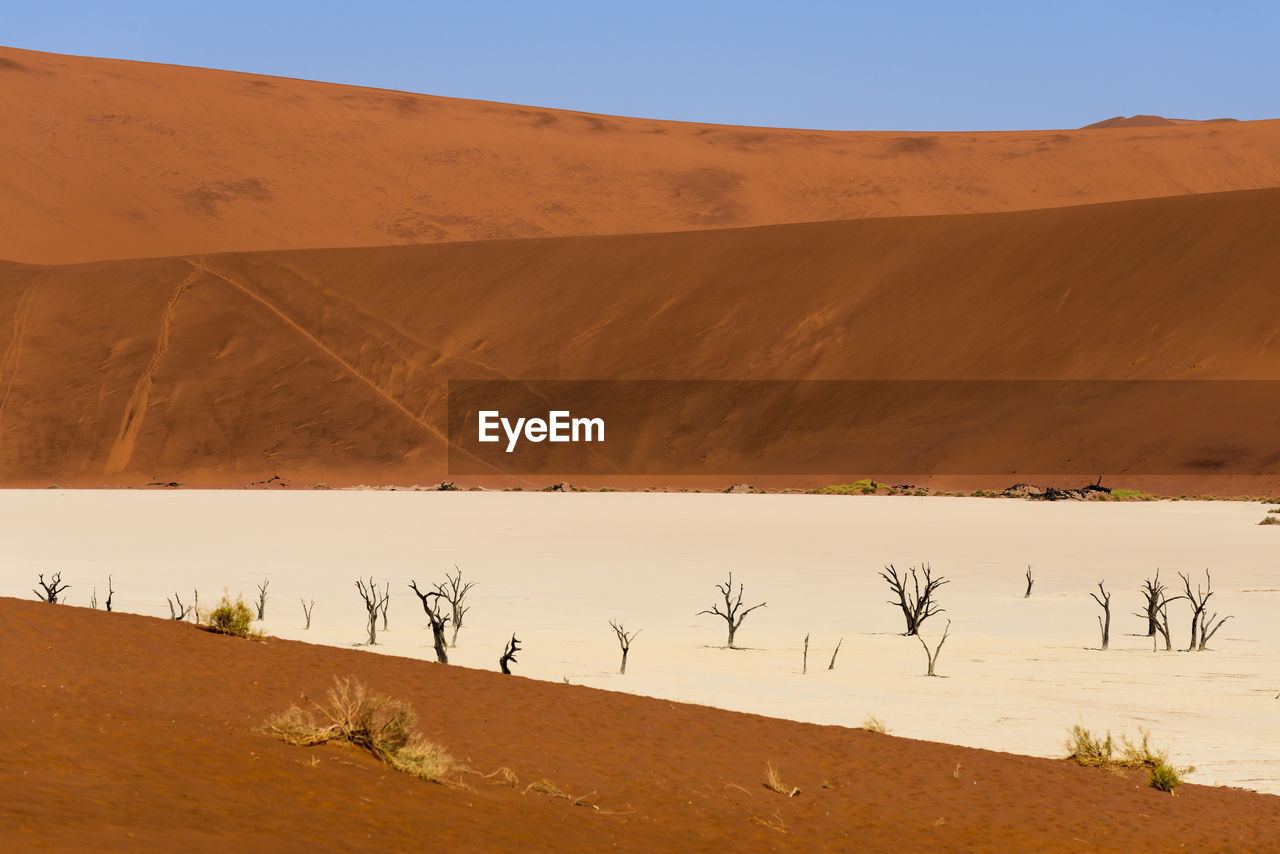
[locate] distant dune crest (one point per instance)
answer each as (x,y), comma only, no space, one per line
(1143,121)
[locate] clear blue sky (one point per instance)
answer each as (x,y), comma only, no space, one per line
(876,66)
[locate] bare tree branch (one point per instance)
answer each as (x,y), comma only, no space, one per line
(917,605)
(733,612)
(431,605)
(624,641)
(509,655)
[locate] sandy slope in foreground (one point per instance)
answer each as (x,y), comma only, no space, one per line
(130,733)
(111,159)
(555,568)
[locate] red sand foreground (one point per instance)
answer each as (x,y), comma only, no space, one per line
(128,732)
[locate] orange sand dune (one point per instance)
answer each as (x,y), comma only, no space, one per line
(159,744)
(330,365)
(1146,121)
(103,159)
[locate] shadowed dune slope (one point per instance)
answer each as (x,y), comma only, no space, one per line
(107,159)
(330,365)
(159,744)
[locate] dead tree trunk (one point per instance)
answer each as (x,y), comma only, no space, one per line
(454,592)
(51,590)
(1030,581)
(733,612)
(835,652)
(1153,590)
(917,605)
(1105,604)
(181,611)
(93,599)
(386,601)
(933,656)
(1209,628)
(805,666)
(262,599)
(306,612)
(1199,601)
(372,604)
(431,605)
(624,641)
(110,593)
(509,655)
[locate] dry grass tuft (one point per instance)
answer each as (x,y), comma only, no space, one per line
(773,823)
(773,782)
(874,724)
(1087,749)
(372,722)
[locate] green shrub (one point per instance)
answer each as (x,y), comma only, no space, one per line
(865,486)
(1270,520)
(1164,777)
(1131,495)
(230,618)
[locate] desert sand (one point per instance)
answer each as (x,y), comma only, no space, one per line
(330,366)
(146,734)
(110,159)
(556,568)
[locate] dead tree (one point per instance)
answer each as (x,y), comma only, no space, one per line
(1162,621)
(509,655)
(733,612)
(431,604)
(454,591)
(372,603)
(933,656)
(917,604)
(386,602)
(1203,626)
(306,611)
(181,611)
(1153,590)
(805,666)
(1198,602)
(624,641)
(51,590)
(1105,604)
(835,652)
(93,599)
(110,592)
(1030,581)
(262,599)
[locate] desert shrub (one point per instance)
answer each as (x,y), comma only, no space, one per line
(1087,749)
(1164,777)
(861,487)
(1131,495)
(874,724)
(372,722)
(1270,520)
(773,782)
(230,618)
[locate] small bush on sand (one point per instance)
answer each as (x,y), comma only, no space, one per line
(1087,749)
(230,618)
(1165,778)
(874,724)
(1270,520)
(773,782)
(371,722)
